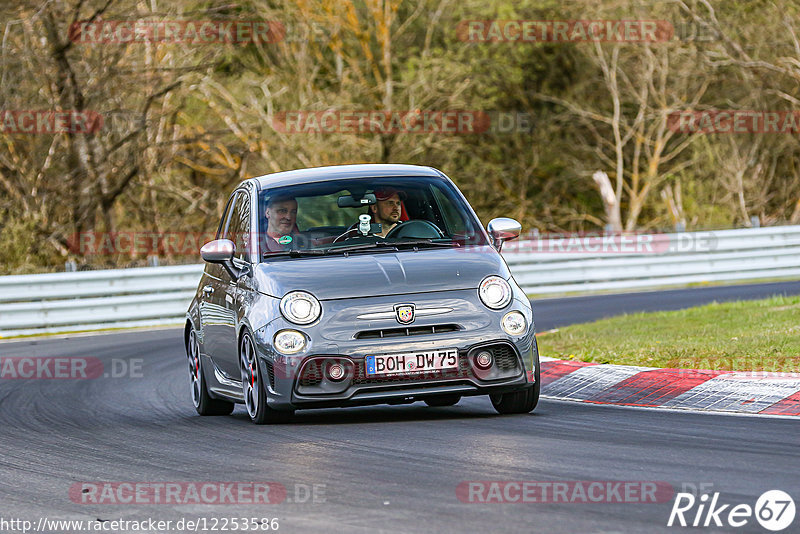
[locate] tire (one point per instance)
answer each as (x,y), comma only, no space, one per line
(202,400)
(523,401)
(443,400)
(253,389)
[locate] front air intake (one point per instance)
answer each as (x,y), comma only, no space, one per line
(407,331)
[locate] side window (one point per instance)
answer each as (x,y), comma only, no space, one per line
(238,228)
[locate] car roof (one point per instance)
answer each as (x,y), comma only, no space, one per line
(337,172)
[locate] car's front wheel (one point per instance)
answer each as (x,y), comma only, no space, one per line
(203,402)
(253,389)
(523,401)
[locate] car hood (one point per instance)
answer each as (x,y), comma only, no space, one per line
(380,273)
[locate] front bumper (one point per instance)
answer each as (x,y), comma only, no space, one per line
(312,385)
(287,377)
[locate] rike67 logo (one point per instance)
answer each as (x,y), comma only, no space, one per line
(774,510)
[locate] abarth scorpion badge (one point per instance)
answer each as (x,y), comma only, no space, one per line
(404,313)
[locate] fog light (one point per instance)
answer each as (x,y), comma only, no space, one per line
(484,359)
(336,371)
(514,323)
(289,342)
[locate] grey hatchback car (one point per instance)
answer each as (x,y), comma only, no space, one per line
(354,285)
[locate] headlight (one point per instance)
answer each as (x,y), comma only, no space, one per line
(289,341)
(300,307)
(514,323)
(494,292)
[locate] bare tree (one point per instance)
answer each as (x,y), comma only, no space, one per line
(629,125)
(72,181)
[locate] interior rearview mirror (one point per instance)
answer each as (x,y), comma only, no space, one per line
(350,201)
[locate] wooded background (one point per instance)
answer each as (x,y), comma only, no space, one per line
(184,122)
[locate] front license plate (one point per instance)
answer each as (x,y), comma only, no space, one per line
(412,362)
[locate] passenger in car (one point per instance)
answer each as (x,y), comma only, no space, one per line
(281,214)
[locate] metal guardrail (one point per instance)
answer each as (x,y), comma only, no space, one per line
(90,300)
(549,266)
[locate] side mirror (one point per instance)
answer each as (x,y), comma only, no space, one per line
(503,229)
(218,251)
(221,251)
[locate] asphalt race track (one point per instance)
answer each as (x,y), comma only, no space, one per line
(377,468)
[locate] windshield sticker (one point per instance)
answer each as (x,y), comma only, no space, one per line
(285,240)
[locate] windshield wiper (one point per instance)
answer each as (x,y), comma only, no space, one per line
(295,253)
(362,246)
(390,245)
(424,243)
(393,245)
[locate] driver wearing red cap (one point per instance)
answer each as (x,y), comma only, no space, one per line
(388,210)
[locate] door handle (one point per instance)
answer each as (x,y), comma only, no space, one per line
(207,290)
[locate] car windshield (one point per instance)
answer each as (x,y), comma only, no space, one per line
(365,215)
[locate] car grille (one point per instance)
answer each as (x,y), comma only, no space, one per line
(407,331)
(312,374)
(505,360)
(504,357)
(271,375)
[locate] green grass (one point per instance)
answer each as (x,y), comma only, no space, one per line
(758,335)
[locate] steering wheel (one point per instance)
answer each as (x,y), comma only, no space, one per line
(417,228)
(351,232)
